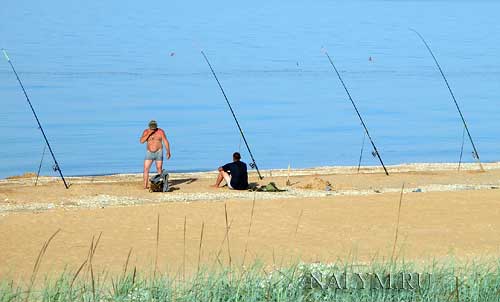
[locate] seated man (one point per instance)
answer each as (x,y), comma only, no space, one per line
(235,174)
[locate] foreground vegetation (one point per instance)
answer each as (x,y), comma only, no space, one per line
(301,282)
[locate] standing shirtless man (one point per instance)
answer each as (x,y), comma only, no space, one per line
(154,151)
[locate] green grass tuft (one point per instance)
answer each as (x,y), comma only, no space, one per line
(301,282)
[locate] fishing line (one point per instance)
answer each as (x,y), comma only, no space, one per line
(40,165)
(56,165)
(475,154)
(461,149)
(375,151)
(253,164)
(361,152)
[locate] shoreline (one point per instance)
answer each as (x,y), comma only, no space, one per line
(18,193)
(397,168)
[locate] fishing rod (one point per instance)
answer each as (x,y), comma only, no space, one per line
(375,151)
(56,165)
(253,164)
(475,154)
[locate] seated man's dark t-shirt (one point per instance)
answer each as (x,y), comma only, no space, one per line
(239,175)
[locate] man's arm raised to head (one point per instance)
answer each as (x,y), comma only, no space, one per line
(145,135)
(166,142)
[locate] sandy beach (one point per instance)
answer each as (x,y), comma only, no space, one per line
(445,213)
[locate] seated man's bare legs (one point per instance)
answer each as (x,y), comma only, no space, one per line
(222,175)
(147,166)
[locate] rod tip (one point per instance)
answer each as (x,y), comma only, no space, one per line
(5,54)
(196,45)
(415,31)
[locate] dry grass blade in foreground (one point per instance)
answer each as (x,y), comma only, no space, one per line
(199,248)
(38,261)
(157,243)
(249,229)
(227,232)
(397,223)
(184,251)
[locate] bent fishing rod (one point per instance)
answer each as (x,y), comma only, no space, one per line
(375,151)
(475,153)
(253,164)
(56,165)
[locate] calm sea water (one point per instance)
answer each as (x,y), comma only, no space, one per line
(98,71)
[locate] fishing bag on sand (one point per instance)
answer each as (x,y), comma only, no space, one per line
(271,187)
(159,182)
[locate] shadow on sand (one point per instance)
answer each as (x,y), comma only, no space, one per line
(182,181)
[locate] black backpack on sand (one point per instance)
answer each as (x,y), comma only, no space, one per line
(159,182)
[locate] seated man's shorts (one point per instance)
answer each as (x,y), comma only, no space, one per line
(227,178)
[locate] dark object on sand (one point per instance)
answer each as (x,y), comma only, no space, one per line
(475,154)
(253,164)
(159,182)
(56,165)
(270,187)
(375,151)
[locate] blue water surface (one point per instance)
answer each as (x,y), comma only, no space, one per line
(98,71)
